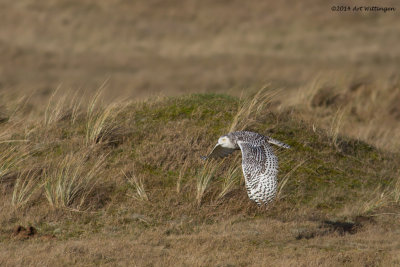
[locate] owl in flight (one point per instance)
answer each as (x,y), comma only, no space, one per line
(259,164)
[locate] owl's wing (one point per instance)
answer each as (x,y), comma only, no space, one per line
(219,152)
(278,143)
(260,170)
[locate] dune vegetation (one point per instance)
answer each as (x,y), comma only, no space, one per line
(123,182)
(106,108)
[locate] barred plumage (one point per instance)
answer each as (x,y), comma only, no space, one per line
(259,164)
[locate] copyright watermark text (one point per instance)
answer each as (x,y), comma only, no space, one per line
(345,8)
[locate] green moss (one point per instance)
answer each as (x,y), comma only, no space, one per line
(203,106)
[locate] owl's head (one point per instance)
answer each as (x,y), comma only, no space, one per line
(225,141)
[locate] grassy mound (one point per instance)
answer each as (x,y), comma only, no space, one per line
(135,168)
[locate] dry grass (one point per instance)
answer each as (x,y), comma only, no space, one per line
(26,185)
(236,242)
(62,106)
(343,126)
(231,177)
(70,181)
(283,181)
(101,124)
(10,158)
(100,127)
(204,178)
(138,186)
(251,108)
(396,190)
(334,130)
(181,175)
(382,196)
(352,108)
(215,47)
(178,198)
(55,109)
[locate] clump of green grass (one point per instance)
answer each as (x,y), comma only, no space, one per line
(101,124)
(10,158)
(69,182)
(26,185)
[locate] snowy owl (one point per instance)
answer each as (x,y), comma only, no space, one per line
(259,164)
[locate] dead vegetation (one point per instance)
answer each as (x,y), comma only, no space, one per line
(362,110)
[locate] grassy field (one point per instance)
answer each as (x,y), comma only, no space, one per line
(107,106)
(124,183)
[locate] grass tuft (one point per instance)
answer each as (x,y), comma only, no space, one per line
(231,177)
(137,183)
(66,106)
(101,125)
(70,181)
(10,158)
(204,178)
(251,108)
(26,185)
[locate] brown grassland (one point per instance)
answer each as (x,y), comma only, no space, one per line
(107,106)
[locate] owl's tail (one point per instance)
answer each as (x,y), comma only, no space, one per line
(278,143)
